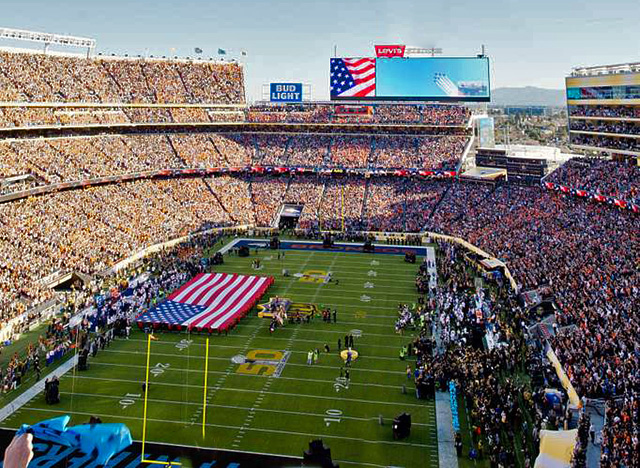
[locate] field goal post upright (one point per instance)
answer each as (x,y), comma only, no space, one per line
(144,413)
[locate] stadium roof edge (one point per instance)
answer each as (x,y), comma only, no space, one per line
(629,67)
(55,53)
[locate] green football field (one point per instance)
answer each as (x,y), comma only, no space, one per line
(252,408)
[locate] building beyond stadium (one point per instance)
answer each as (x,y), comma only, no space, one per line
(604,109)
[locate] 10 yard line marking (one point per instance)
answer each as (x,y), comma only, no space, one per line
(275,431)
(204,403)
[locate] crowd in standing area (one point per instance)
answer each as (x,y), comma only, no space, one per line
(453,318)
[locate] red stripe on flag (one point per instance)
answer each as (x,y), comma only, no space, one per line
(185,286)
(225,295)
(366,91)
(365,79)
(195,292)
(362,71)
(249,304)
(197,297)
(357,62)
(229,305)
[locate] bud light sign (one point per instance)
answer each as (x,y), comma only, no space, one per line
(285,92)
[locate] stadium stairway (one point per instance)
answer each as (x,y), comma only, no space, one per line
(287,150)
(435,207)
(211,140)
(363,210)
(327,157)
(370,158)
(596,410)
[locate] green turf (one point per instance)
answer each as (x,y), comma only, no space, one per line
(19,346)
(268,414)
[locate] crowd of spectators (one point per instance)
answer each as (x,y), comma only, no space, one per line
(89,230)
(36,77)
(342,204)
(55,160)
(581,251)
(628,128)
(385,204)
(267,194)
(621,435)
(351,151)
(605,111)
(308,150)
(616,143)
(618,179)
(60,116)
(426,114)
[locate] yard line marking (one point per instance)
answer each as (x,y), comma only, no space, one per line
(315,341)
(220,382)
(273,431)
(226,359)
(242,390)
(204,403)
(217,345)
(429,409)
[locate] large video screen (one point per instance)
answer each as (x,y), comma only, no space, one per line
(423,79)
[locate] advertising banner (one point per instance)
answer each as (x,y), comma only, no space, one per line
(285,92)
(390,50)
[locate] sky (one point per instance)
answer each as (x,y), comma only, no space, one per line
(533,43)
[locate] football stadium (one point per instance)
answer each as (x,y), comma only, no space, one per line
(190,276)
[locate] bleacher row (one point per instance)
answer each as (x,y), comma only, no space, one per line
(47,114)
(57,160)
(36,77)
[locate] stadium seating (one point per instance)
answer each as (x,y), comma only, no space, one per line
(585,253)
(35,77)
(618,179)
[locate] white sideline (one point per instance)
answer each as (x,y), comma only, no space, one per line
(433,274)
(35,389)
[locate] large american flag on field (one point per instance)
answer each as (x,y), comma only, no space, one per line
(353,77)
(209,301)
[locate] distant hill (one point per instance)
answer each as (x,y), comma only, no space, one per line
(528,96)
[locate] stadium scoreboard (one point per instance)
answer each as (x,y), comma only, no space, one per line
(393,76)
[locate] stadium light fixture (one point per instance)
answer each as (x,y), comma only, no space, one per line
(48,39)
